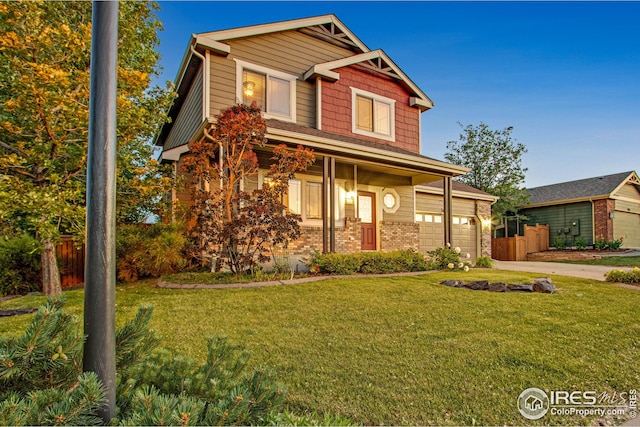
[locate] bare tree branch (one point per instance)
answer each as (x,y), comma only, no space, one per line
(13,149)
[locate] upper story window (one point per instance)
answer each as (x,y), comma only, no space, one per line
(373,115)
(273,91)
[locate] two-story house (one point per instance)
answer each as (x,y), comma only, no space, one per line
(320,86)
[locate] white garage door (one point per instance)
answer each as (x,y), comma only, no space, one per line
(627,226)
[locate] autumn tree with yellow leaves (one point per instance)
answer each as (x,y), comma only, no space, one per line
(44,114)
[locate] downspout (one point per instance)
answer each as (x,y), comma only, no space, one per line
(205,99)
(318,103)
(204,79)
(593,222)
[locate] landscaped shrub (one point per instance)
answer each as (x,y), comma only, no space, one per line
(616,244)
(447,258)
(20,271)
(334,263)
(603,245)
(580,243)
(484,262)
(391,262)
(624,276)
(367,262)
(559,243)
(41,381)
(149,251)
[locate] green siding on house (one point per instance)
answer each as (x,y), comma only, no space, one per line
(560,218)
(190,116)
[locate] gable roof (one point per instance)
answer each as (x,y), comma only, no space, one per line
(327,27)
(600,187)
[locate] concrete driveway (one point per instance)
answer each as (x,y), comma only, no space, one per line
(595,272)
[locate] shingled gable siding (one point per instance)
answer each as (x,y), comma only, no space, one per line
(291,52)
(336,105)
(190,116)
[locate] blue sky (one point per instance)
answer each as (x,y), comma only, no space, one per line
(565,75)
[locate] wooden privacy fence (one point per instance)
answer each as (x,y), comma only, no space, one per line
(535,239)
(509,248)
(71,262)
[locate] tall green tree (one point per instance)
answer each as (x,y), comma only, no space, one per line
(44,98)
(495,160)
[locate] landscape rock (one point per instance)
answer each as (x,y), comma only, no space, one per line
(497,287)
(543,285)
(478,285)
(520,287)
(453,283)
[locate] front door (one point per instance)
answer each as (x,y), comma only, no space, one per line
(367,215)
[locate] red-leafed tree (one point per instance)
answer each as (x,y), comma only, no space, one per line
(236,228)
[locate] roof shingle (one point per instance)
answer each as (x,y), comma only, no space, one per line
(582,188)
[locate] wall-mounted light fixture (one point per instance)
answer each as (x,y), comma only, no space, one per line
(350,197)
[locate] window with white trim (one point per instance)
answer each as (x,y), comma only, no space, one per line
(273,91)
(372,115)
(304,197)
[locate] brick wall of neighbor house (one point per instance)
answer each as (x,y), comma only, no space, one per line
(602,219)
(484,211)
(337,113)
(398,235)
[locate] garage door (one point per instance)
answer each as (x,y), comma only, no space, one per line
(431,230)
(627,226)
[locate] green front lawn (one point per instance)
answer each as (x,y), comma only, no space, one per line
(406,350)
(614,261)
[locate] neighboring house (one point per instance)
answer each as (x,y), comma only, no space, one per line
(604,207)
(319,86)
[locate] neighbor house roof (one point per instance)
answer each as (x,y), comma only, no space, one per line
(600,187)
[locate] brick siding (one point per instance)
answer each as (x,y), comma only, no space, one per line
(398,235)
(603,223)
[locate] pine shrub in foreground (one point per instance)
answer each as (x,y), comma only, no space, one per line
(42,383)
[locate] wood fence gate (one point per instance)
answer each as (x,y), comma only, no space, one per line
(535,239)
(71,262)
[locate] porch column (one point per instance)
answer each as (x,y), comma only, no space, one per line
(332,205)
(325,205)
(328,204)
(448,210)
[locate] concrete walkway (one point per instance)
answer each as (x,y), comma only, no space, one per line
(595,272)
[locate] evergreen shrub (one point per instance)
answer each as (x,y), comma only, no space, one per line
(484,262)
(20,266)
(41,379)
(367,262)
(149,251)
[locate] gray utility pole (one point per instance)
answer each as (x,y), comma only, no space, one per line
(100,264)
